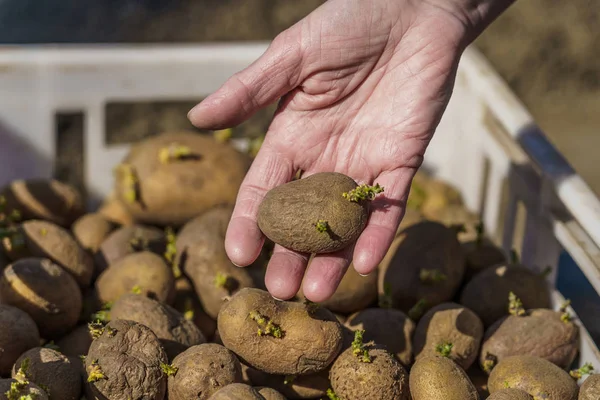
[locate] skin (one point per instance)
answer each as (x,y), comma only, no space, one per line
(536,376)
(45,291)
(541,333)
(18,334)
(49,200)
(449,322)
(91,229)
(237,391)
(30,389)
(130,359)
(363,86)
(590,389)
(54,370)
(439,378)
(175,332)
(202,371)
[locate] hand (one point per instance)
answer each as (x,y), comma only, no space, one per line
(364,85)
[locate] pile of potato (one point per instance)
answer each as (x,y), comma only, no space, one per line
(138,300)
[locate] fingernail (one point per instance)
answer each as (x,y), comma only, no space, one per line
(363,275)
(276,298)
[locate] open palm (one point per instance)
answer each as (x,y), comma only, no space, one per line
(362,86)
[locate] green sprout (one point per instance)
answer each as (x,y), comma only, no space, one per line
(16,390)
(223,135)
(136,289)
(311,307)
(130,181)
(82,357)
(565,316)
(171,252)
(417,310)
(168,369)
(289,379)
(586,369)
(51,345)
(444,349)
(489,362)
(95,373)
(358,348)
(21,374)
(363,192)
(188,307)
(266,327)
(110,331)
(103,315)
(173,152)
(331,395)
(96,329)
(223,281)
(322,226)
(43,231)
(385,300)
(431,276)
(506,385)
(515,305)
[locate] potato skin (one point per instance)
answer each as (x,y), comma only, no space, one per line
(387,327)
(130,356)
(45,291)
(481,255)
(541,333)
(453,323)
(270,393)
(439,378)
(237,391)
(288,214)
(54,370)
(590,389)
(30,389)
(146,270)
(382,379)
(186,301)
(533,375)
(202,371)
(18,334)
(47,240)
(45,199)
(76,343)
(487,293)
(302,386)
(91,229)
(174,332)
(425,245)
(310,341)
(510,394)
(175,192)
(201,256)
(113,210)
(128,240)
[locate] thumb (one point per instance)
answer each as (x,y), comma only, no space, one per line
(270,77)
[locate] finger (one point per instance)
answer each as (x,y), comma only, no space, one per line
(386,212)
(284,273)
(274,74)
(325,273)
(244,239)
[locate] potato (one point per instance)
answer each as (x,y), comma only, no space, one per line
(75,343)
(47,240)
(124,362)
(536,376)
(460,218)
(187,303)
(237,391)
(270,394)
(175,176)
(129,240)
(174,332)
(439,196)
(451,330)
(383,377)
(201,256)
(427,264)
(440,378)
(487,293)
(45,199)
(510,394)
(590,389)
(279,337)
(144,270)
(114,210)
(387,327)
(542,333)
(354,293)
(481,254)
(91,229)
(18,334)
(51,371)
(202,370)
(45,291)
(293,386)
(311,215)
(21,390)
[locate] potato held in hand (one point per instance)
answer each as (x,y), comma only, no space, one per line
(279,337)
(323,213)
